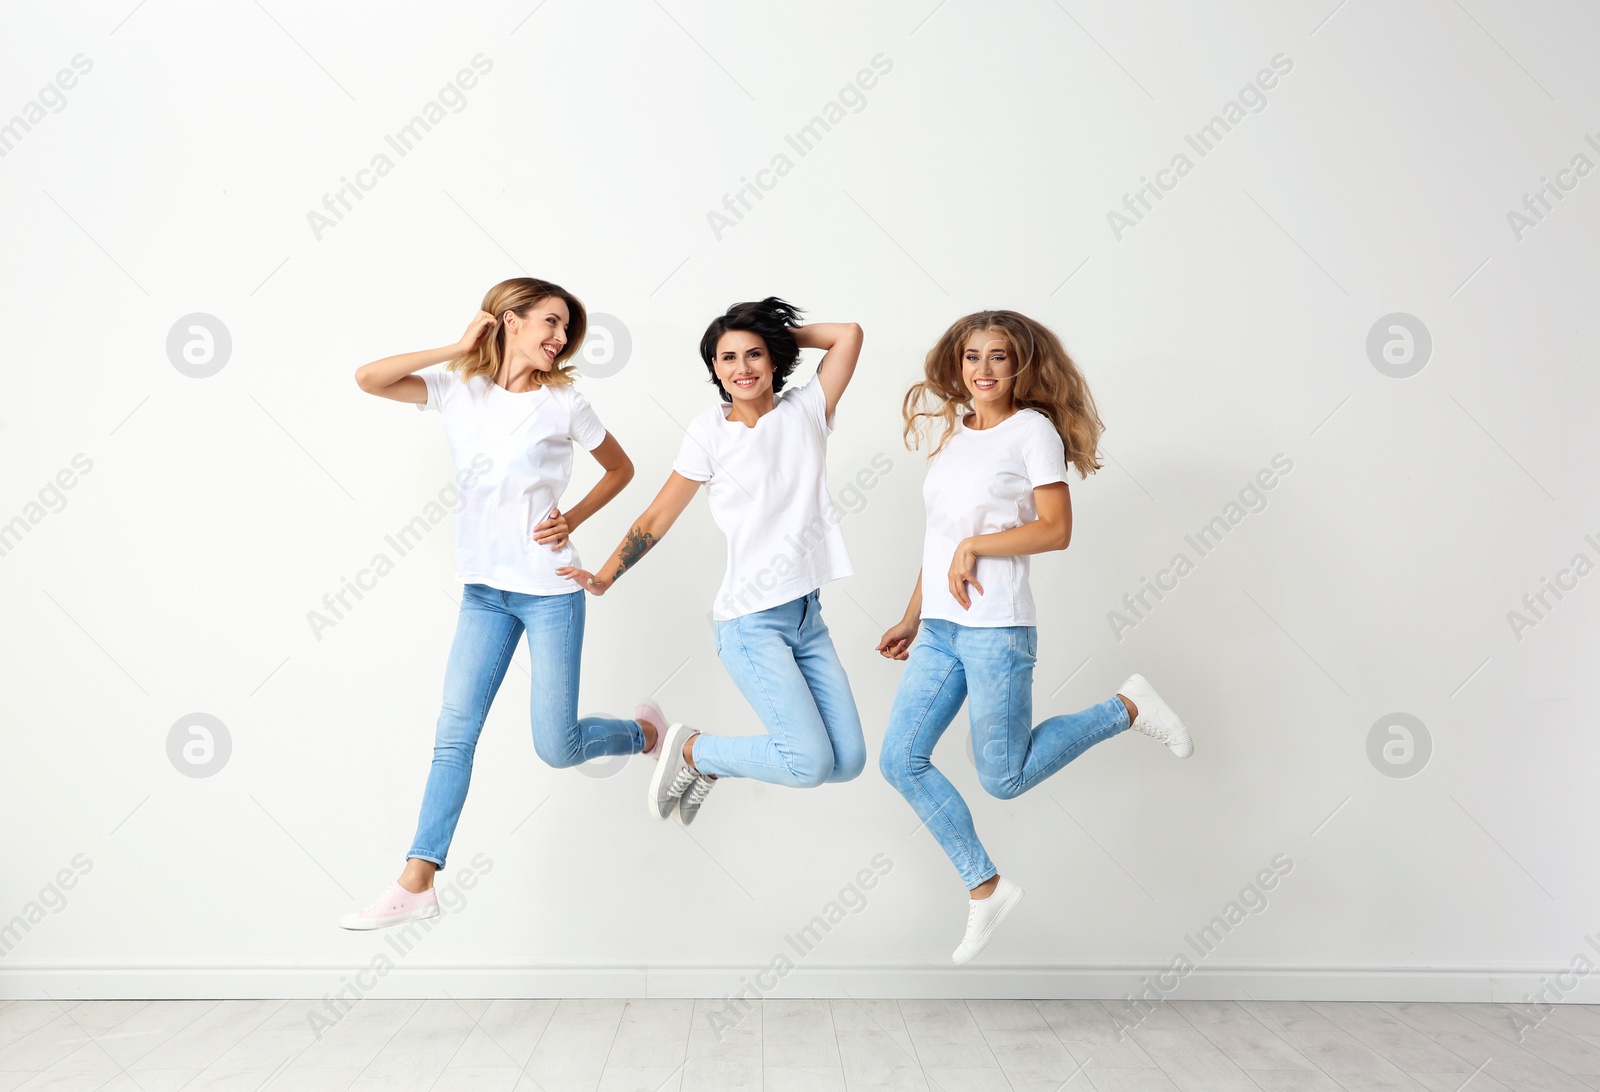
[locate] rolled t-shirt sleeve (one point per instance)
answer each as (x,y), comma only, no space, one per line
(1043,456)
(815,401)
(694,456)
(438,383)
(584,425)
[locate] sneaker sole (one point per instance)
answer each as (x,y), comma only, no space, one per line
(383,923)
(667,768)
(983,940)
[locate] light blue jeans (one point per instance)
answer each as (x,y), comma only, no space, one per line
(992,668)
(486,635)
(784,663)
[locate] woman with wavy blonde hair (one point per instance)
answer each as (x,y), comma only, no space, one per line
(511,415)
(1012,410)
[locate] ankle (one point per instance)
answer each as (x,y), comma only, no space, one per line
(985,889)
(417,876)
(1133,710)
(688,757)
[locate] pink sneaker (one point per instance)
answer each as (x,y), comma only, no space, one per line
(649,711)
(394,906)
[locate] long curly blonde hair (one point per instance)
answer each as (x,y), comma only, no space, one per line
(1046,380)
(519,294)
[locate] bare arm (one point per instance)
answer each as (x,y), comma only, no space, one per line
(1051,531)
(842,340)
(554,530)
(391,377)
(646,531)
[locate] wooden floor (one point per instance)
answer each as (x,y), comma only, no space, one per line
(791,1046)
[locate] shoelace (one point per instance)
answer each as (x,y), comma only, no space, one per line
(1152,730)
(385,901)
(697,794)
(685,778)
(972,917)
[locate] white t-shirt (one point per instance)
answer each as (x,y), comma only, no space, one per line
(983,482)
(768,490)
(513,454)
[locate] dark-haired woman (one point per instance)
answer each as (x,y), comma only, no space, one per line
(511,416)
(760,454)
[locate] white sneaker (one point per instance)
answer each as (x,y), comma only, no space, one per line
(394,906)
(1156,718)
(689,803)
(672,774)
(984,916)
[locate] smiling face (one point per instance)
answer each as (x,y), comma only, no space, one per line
(988,369)
(744,366)
(541,334)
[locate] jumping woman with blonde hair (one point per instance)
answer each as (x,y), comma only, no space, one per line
(511,415)
(1012,410)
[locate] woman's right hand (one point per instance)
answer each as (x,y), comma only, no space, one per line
(482,321)
(896,643)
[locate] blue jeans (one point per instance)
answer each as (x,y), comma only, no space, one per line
(991,667)
(486,636)
(784,663)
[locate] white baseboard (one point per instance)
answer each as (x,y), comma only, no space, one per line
(21,979)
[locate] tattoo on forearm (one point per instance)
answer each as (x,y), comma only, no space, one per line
(634,546)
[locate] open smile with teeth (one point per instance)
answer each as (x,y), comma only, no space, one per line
(745,381)
(550,351)
(985,384)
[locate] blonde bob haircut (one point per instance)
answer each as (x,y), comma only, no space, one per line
(520,295)
(1046,379)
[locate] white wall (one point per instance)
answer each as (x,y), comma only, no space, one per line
(1227,327)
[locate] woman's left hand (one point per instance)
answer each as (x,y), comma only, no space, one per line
(589,582)
(553,531)
(962,565)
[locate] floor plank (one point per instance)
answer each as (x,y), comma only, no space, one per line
(795,1045)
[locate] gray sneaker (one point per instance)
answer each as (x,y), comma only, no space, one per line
(689,803)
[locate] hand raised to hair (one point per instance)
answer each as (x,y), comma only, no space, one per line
(481,322)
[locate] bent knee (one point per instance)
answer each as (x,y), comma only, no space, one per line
(559,758)
(807,771)
(849,767)
(1001,788)
(455,751)
(899,768)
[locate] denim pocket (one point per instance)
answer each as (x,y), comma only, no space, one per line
(1024,645)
